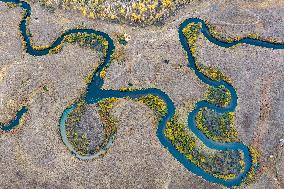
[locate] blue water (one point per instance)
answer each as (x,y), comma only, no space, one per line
(14,122)
(96,93)
(62,121)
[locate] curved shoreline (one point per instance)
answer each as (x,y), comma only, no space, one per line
(95,94)
(62,121)
(15,121)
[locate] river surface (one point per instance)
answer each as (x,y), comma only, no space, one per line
(15,121)
(95,93)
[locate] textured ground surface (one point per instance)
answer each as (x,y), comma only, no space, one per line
(35,156)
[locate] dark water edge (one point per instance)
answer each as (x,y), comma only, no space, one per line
(94,94)
(15,121)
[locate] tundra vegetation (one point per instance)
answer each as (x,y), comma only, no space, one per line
(175,131)
(123,38)
(90,127)
(191,33)
(219,96)
(78,140)
(217,126)
(216,32)
(86,40)
(142,12)
(255,165)
(155,103)
(222,164)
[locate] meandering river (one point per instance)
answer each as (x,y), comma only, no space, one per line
(95,93)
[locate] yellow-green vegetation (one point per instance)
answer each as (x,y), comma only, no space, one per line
(217,126)
(270,39)
(183,142)
(219,96)
(80,142)
(217,33)
(11,5)
(105,107)
(88,40)
(124,89)
(14,130)
(225,177)
(155,103)
(56,50)
(103,73)
(191,32)
(255,164)
(213,73)
(23,42)
(45,88)
(92,41)
(138,11)
(36,47)
(39,47)
(223,164)
(214,126)
(75,115)
(119,55)
(122,38)
(89,78)
(83,39)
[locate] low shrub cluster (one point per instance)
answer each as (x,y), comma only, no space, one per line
(222,164)
(143,12)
